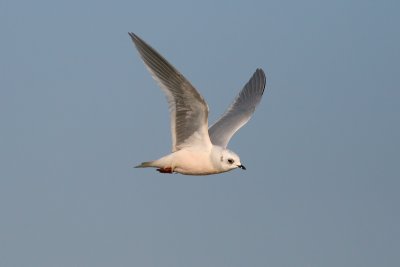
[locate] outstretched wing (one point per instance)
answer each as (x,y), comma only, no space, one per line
(240,111)
(189,111)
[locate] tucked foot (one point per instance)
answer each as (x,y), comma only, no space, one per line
(165,170)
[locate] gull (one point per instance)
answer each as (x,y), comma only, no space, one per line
(197,149)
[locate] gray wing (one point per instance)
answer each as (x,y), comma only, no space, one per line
(189,111)
(240,111)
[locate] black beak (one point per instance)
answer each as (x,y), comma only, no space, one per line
(242,167)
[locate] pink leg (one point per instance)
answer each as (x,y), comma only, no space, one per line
(165,170)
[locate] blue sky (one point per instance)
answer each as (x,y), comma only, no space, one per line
(78,110)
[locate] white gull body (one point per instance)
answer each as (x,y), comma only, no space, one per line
(197,149)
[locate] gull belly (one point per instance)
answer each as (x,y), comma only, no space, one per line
(190,161)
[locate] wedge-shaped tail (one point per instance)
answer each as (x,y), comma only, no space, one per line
(145,164)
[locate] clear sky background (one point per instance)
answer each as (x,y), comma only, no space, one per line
(78,110)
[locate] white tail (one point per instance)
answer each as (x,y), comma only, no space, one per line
(145,164)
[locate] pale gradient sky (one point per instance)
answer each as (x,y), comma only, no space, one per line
(78,109)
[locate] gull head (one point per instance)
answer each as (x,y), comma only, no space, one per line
(229,160)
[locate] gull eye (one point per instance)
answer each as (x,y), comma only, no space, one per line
(231,161)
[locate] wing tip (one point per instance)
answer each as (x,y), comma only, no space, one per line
(261,76)
(134,37)
(260,72)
